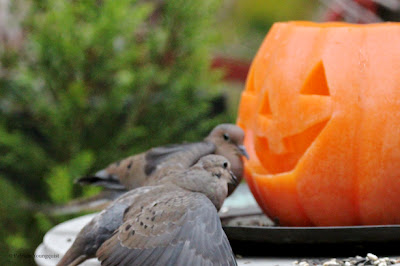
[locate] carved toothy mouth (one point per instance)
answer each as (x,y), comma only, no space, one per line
(281,144)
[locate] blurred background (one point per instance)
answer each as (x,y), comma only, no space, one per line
(84,83)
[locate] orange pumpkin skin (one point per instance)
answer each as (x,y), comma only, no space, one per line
(321,112)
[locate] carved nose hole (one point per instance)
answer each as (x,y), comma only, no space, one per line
(265,108)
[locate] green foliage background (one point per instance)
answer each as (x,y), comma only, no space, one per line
(245,23)
(91,82)
(84,83)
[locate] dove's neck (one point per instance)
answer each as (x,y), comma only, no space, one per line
(195,181)
(231,152)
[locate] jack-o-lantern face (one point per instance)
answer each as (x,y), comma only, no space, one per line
(321,112)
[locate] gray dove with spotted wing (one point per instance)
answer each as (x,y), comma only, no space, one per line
(172,223)
(139,170)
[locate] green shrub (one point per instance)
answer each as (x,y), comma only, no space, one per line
(91,82)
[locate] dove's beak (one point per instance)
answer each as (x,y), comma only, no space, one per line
(234,180)
(233,184)
(243,151)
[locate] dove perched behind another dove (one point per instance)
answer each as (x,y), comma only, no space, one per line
(137,170)
(173,223)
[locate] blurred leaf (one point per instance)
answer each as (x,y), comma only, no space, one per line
(59,184)
(16,242)
(59,181)
(43,222)
(80,164)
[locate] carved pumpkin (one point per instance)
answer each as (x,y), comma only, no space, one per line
(321,112)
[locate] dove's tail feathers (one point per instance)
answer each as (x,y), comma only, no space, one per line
(94,203)
(72,258)
(101,182)
(102,179)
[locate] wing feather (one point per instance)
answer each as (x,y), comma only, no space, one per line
(180,156)
(183,228)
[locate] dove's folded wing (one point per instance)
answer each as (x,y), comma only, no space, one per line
(178,156)
(179,228)
(148,167)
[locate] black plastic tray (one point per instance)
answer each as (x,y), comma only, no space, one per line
(328,241)
(333,241)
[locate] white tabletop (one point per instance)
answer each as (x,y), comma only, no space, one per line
(58,240)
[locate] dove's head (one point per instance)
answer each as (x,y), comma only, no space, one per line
(228,139)
(211,176)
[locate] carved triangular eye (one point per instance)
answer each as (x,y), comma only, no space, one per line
(218,175)
(316,82)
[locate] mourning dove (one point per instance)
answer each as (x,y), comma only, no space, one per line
(172,223)
(137,170)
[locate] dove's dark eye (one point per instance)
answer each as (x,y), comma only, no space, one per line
(225,165)
(226,136)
